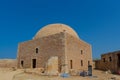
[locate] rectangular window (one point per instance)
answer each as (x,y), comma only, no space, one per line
(81,62)
(88,63)
(71,66)
(103,59)
(81,51)
(110,59)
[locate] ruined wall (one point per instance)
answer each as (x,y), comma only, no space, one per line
(108,61)
(52,45)
(77,50)
(52,66)
(97,64)
(108,64)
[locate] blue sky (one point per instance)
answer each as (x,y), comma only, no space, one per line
(96,21)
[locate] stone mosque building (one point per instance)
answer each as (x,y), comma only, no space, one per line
(55,40)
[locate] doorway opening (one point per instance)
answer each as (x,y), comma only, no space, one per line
(118,60)
(33,63)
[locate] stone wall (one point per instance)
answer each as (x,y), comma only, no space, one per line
(77,50)
(109,61)
(52,45)
(62,45)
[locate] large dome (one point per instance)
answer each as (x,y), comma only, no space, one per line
(53,29)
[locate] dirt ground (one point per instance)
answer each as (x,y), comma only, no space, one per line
(9,74)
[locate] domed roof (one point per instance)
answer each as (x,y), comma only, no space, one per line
(53,29)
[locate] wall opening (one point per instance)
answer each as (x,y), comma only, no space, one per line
(36,50)
(71,66)
(110,59)
(22,63)
(118,59)
(81,62)
(33,63)
(103,59)
(88,63)
(81,51)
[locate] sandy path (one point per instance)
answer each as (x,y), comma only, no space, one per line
(8,75)
(20,75)
(99,75)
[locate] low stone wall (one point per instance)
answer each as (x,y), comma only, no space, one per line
(8,63)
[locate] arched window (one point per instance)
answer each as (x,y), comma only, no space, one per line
(36,50)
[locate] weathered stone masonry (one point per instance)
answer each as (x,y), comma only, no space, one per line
(109,61)
(55,40)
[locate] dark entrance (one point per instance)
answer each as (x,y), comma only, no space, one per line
(34,63)
(118,60)
(22,62)
(89,70)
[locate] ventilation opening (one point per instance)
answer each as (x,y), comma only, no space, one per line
(71,66)
(34,63)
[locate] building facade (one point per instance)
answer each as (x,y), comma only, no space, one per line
(55,40)
(109,61)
